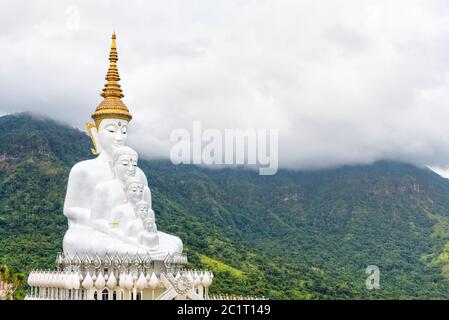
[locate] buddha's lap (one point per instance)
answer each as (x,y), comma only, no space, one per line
(80,240)
(88,240)
(169,243)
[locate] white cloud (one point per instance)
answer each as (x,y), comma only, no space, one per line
(344,81)
(441,172)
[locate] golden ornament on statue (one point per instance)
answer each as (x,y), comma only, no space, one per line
(112,106)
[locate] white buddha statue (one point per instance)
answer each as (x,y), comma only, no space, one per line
(135,219)
(126,213)
(116,223)
(108,133)
(149,235)
(109,194)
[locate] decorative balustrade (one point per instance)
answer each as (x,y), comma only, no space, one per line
(129,277)
(65,262)
(111,285)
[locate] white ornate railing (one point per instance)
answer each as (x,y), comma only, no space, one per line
(102,284)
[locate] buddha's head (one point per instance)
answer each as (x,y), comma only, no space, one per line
(111,118)
(109,135)
(142,208)
(134,190)
(125,163)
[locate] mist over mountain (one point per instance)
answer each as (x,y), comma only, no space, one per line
(294,235)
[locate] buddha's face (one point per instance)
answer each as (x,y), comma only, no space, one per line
(134,193)
(142,210)
(112,134)
(125,167)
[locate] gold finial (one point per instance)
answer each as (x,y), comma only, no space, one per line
(112,106)
(113,44)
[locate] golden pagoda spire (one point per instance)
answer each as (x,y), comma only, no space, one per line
(112,88)
(112,106)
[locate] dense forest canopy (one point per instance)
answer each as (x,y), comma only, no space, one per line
(294,235)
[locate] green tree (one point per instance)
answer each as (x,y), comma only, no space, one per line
(10,281)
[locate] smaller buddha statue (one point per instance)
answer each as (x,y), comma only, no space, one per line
(109,194)
(126,212)
(149,236)
(146,214)
(135,219)
(123,222)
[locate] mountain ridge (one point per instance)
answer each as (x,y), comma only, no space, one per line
(295,235)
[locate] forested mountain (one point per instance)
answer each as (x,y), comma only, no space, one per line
(294,235)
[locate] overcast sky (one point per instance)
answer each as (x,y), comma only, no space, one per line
(344,81)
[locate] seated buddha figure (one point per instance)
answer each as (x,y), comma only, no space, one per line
(122,221)
(82,237)
(110,193)
(133,218)
(133,222)
(108,133)
(144,226)
(149,236)
(146,215)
